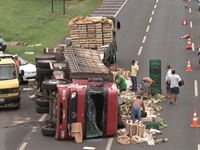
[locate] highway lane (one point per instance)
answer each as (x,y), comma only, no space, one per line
(11,135)
(163,42)
(134,17)
(163,32)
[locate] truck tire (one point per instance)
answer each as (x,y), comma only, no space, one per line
(51,84)
(42,102)
(40,95)
(45,57)
(48,131)
(47,72)
(44,63)
(42,110)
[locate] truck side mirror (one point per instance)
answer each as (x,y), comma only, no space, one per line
(118,25)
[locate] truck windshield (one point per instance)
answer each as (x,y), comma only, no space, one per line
(7,71)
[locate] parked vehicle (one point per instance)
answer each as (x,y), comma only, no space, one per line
(9,84)
(28,68)
(3,44)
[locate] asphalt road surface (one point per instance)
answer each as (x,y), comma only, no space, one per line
(151,29)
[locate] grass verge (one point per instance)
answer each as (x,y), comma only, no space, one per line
(32,21)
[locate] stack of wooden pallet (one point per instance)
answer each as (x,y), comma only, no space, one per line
(91,32)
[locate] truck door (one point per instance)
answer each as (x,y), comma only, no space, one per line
(96,108)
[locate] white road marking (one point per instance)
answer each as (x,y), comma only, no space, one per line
(107,8)
(190,24)
(109,144)
(144,39)
(23,146)
(192,46)
(120,8)
(190,10)
(152,12)
(147,30)
(136,62)
(195,88)
(155,6)
(68,38)
(157,1)
(150,19)
(112,2)
(104,11)
(189,0)
(111,5)
(100,15)
(140,50)
(43,117)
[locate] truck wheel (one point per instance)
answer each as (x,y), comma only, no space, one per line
(42,102)
(48,131)
(40,95)
(45,57)
(20,78)
(42,110)
(42,71)
(44,63)
(51,84)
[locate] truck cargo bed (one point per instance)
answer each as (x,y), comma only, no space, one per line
(86,63)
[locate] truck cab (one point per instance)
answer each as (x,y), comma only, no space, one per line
(9,84)
(93,103)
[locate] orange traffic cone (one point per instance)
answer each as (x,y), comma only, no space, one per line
(188,68)
(186,5)
(184,22)
(189,45)
(185,36)
(194,120)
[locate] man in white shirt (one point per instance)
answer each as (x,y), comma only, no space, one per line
(167,82)
(174,87)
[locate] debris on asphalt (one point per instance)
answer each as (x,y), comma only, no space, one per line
(150,125)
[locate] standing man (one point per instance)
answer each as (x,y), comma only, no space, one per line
(147,83)
(135,108)
(174,86)
(120,82)
(167,82)
(134,75)
(17,62)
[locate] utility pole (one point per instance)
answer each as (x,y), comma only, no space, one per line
(52,6)
(63,6)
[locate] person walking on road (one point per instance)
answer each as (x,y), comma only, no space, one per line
(174,86)
(136,110)
(167,82)
(120,82)
(134,75)
(147,83)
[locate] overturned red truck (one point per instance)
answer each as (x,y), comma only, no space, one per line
(81,90)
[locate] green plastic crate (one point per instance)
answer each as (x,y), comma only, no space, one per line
(156,77)
(152,125)
(155,64)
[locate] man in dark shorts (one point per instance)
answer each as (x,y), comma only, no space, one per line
(174,86)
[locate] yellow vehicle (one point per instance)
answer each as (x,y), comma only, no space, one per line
(9,84)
